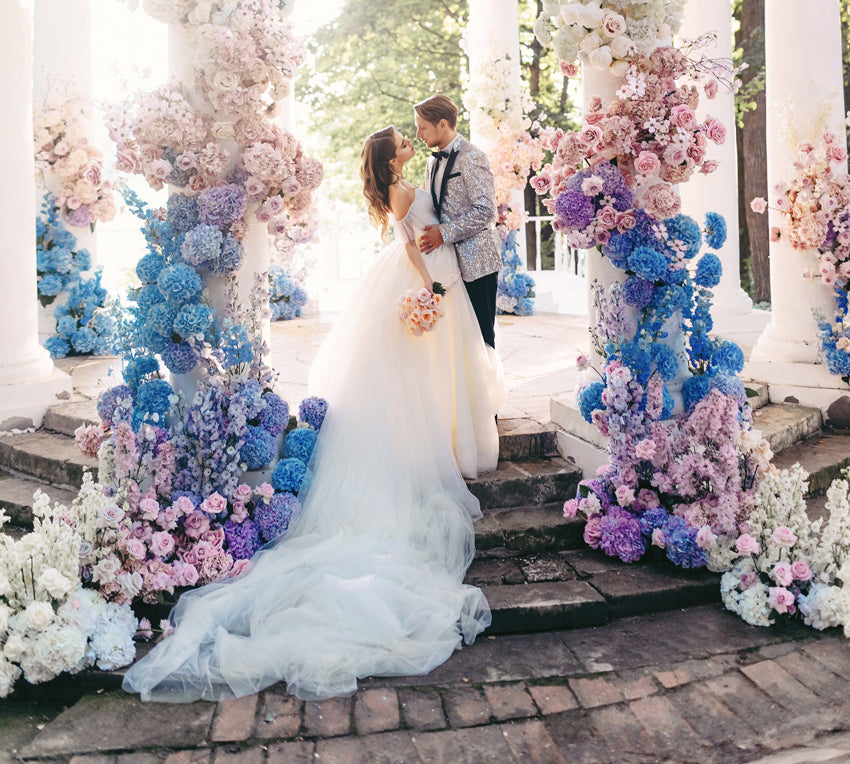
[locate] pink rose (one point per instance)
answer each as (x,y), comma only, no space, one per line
(645,449)
(593,531)
(626,221)
(590,504)
(239,513)
(758,205)
(195,524)
(149,509)
(162,544)
(167,519)
(683,117)
(695,153)
(265,491)
(240,567)
(214,537)
(715,130)
(658,538)
(608,217)
(590,135)
(782,574)
(582,362)
(163,582)
(568,69)
(780,599)
(800,571)
(711,89)
(570,508)
(747,580)
(184,506)
(784,536)
(708,166)
(775,233)
(204,549)
(746,544)
(214,504)
(625,495)
(242,493)
(542,182)
(647,163)
(136,549)
(837,154)
(111,515)
(61,148)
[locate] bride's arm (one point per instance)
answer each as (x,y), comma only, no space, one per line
(400,201)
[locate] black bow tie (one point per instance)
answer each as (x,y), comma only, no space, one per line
(440,155)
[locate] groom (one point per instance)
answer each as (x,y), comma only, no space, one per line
(464,195)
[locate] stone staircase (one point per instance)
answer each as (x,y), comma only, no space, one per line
(531,562)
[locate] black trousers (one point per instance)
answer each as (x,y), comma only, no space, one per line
(482,295)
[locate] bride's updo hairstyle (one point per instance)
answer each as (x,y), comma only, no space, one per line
(378,176)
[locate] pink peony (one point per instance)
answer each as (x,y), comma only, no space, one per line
(746,544)
(758,205)
(784,536)
(661,201)
(780,599)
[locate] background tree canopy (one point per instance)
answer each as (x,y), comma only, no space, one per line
(376,60)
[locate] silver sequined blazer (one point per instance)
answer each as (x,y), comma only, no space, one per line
(467,210)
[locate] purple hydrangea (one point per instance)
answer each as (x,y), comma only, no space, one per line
(109,400)
(312,411)
(258,449)
(182,213)
(621,536)
(229,259)
(652,519)
(273,518)
(201,245)
(243,539)
(638,291)
(221,205)
(179,357)
(680,541)
(574,210)
(275,416)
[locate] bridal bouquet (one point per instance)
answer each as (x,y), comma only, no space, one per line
(420,310)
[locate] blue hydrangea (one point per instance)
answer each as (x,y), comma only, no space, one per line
(193,318)
(715,230)
(667,403)
(242,539)
(618,248)
(727,357)
(275,416)
(694,389)
(638,291)
(182,213)
(153,397)
(66,326)
(312,411)
(50,284)
(273,519)
(229,259)
(179,357)
(681,544)
(524,307)
(147,296)
(685,229)
(258,449)
(108,401)
(136,369)
(665,361)
(148,268)
(202,244)
(590,399)
(648,263)
(652,519)
(289,475)
(160,319)
(57,346)
(299,444)
(83,340)
(729,384)
(82,260)
(709,271)
(63,260)
(179,283)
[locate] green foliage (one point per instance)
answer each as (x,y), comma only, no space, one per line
(377,59)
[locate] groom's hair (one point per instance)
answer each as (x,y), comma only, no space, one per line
(437,107)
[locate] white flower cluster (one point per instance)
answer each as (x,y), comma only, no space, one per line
(787,563)
(49,624)
(605,33)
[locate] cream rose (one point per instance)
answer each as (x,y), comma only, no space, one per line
(38,616)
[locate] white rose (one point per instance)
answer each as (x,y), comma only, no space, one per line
(613,23)
(620,46)
(5,586)
(619,68)
(590,43)
(570,13)
(225,80)
(600,58)
(9,674)
(591,16)
(39,615)
(14,647)
(5,612)
(222,130)
(54,583)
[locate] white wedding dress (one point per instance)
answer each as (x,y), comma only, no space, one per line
(369,579)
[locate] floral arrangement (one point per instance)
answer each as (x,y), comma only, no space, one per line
(61,150)
(178,510)
(49,624)
(515,289)
(286,298)
(606,33)
(786,566)
(86,317)
(815,209)
(419,310)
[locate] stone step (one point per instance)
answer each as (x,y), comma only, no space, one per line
(524,483)
(67,417)
(48,456)
(524,439)
(783,424)
(16,497)
(823,456)
(527,529)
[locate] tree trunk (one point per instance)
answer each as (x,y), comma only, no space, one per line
(752,158)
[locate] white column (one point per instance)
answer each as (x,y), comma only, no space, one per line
(28,381)
(718,191)
(804,97)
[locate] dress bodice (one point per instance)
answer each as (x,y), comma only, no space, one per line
(442,262)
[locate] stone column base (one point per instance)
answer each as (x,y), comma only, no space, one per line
(809,384)
(744,329)
(578,441)
(24,404)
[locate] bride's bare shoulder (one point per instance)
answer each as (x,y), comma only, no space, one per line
(401,197)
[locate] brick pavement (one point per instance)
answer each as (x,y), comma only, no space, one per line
(693,685)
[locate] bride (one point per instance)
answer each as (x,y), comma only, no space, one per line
(369,579)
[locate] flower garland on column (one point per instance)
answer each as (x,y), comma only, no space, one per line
(182,510)
(513,154)
(64,159)
(684,485)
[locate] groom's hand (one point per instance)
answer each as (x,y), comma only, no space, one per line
(430,239)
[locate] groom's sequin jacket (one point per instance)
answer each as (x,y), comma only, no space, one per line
(467,210)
